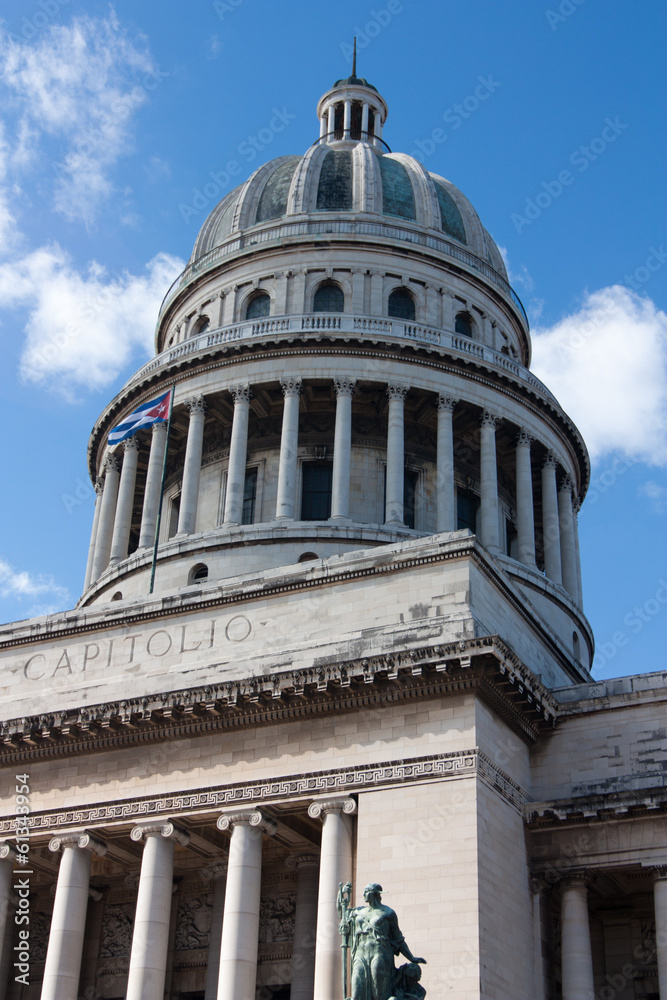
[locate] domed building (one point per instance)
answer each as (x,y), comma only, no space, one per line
(332,630)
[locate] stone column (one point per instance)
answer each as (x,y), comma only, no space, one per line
(489,527)
(323,126)
(575,528)
(7,857)
(538,888)
(335,867)
(568,554)
(238,450)
(340,490)
(216,873)
(332,118)
(107,515)
(446,489)
(289,442)
(153,484)
(240,925)
(395,486)
(660,905)
(192,468)
(577,957)
(63,956)
(92,941)
(347,116)
(525,514)
(305,921)
(93,534)
(550,528)
(150,938)
(364,120)
(123,519)
(378,124)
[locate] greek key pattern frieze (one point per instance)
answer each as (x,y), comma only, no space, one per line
(458,764)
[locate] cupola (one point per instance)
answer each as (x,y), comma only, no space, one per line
(352,110)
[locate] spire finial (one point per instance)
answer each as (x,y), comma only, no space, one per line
(354,58)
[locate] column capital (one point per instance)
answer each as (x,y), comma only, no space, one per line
(195,404)
(321,807)
(98,486)
(214,871)
(524,439)
(567,485)
(111,463)
(658,873)
(397,391)
(445,404)
(132,881)
(296,861)
(549,461)
(167,829)
(344,386)
(291,385)
(7,851)
(489,419)
(85,840)
(161,425)
(240,393)
(131,443)
(581,879)
(247,817)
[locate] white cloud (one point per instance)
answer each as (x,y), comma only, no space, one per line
(607,365)
(657,494)
(81,84)
(83,328)
(20,584)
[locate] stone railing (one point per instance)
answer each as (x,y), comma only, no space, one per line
(341,324)
(295,230)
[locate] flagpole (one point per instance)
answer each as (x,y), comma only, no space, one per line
(164,473)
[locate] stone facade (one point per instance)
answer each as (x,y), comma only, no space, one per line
(364,657)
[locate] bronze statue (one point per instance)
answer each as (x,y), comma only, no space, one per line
(372,935)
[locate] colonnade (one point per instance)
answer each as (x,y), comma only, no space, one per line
(233,948)
(234,936)
(369,117)
(115,495)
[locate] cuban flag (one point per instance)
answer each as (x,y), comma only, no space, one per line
(144,416)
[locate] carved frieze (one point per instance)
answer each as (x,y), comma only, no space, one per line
(117,923)
(193,928)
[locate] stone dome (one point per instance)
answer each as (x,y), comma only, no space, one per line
(350,173)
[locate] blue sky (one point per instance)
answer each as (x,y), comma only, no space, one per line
(121,126)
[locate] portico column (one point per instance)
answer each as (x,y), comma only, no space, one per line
(217,873)
(340,489)
(93,534)
(335,867)
(489,528)
(150,938)
(305,921)
(660,905)
(525,515)
(153,484)
(289,442)
(238,450)
(107,515)
(567,549)
(240,925)
(62,968)
(550,528)
(445,487)
(123,520)
(577,958)
(395,454)
(192,467)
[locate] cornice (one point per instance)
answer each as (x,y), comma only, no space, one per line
(485,667)
(207,802)
(588,809)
